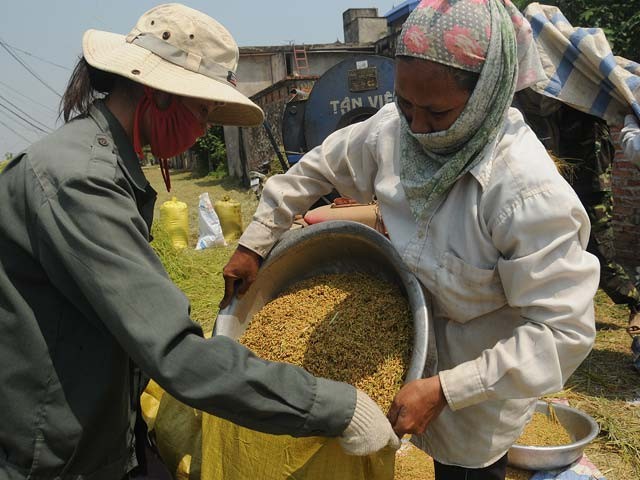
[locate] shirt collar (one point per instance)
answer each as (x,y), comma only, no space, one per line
(482,171)
(108,123)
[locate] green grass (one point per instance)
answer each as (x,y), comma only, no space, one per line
(603,386)
(197,273)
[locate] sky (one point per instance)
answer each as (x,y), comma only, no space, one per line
(46,36)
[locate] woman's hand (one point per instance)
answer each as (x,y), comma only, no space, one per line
(416,405)
(241,269)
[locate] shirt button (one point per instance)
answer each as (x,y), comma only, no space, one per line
(103,141)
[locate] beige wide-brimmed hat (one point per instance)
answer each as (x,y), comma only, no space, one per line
(178,50)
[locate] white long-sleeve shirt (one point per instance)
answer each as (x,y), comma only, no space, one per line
(503,260)
(631,139)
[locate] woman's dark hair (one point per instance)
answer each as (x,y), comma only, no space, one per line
(464,79)
(86,84)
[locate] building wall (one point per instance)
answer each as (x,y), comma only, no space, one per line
(351,14)
(320,62)
(248,149)
(232,145)
(259,71)
(365,30)
(257,145)
(626,210)
(386,46)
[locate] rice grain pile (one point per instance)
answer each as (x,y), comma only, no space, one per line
(352,328)
(544,431)
(413,464)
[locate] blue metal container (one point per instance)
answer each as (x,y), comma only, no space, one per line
(351,91)
(293,158)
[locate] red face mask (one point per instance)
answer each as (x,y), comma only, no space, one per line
(173,130)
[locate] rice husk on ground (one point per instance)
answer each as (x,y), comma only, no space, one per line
(413,464)
(351,327)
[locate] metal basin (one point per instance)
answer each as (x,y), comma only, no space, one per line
(329,248)
(581,428)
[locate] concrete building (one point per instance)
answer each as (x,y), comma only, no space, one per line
(395,19)
(267,74)
(363,26)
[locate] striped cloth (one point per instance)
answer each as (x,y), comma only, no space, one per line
(582,469)
(580,68)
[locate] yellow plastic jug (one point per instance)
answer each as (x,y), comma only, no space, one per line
(230,214)
(174,219)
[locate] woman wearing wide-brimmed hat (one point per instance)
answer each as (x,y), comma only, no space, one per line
(477,210)
(87,312)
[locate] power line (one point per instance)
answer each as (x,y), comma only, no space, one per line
(24,113)
(17,59)
(22,118)
(17,123)
(30,99)
(37,57)
(22,127)
(18,134)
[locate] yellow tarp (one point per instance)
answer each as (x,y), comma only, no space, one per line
(234,453)
(200,446)
(177,431)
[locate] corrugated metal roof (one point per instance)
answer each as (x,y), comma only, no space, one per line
(405,8)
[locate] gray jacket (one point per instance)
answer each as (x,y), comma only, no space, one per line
(84,300)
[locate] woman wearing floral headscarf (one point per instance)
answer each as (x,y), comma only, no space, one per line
(479,213)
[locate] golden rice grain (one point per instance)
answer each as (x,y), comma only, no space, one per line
(544,431)
(352,328)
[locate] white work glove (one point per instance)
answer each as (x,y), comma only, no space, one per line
(369,429)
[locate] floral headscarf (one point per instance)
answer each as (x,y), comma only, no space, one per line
(489,37)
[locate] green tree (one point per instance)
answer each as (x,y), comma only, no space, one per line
(211,151)
(620,20)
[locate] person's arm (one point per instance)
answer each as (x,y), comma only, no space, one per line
(345,161)
(630,136)
(546,273)
(91,239)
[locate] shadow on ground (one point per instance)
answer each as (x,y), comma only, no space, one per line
(607,374)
